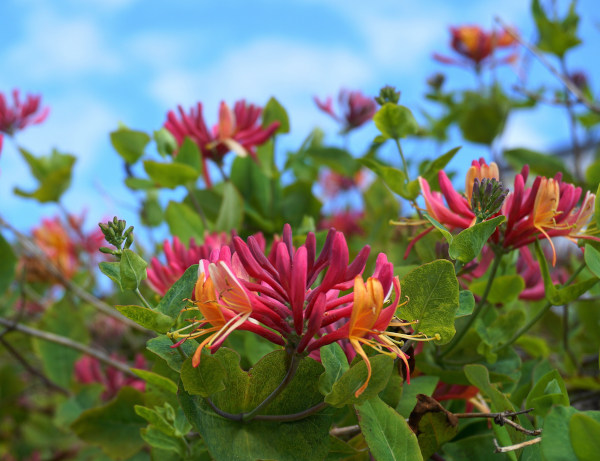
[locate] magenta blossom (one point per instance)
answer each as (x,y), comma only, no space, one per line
(21,114)
(356,109)
(239,131)
(161,276)
(348,222)
(88,371)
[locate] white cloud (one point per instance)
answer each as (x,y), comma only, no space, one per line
(55,47)
(520,131)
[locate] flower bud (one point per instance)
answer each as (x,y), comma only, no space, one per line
(388,94)
(487,198)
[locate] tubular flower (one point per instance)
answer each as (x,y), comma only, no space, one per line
(238,130)
(347,222)
(333,182)
(356,108)
(476,45)
(546,209)
(21,114)
(279,297)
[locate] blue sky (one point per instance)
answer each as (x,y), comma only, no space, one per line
(101,62)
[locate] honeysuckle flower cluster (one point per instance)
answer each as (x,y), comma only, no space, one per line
(162,276)
(334,183)
(356,109)
(477,45)
(238,130)
(20,114)
(66,244)
(88,371)
(546,209)
(348,222)
(296,298)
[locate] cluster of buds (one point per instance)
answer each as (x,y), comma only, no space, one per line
(388,94)
(487,198)
(278,297)
(117,234)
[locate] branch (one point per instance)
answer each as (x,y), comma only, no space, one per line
(348,430)
(82,294)
(64,341)
(503,418)
(518,446)
(563,78)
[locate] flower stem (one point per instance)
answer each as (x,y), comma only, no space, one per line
(144,301)
(197,205)
(404,164)
(539,315)
(478,308)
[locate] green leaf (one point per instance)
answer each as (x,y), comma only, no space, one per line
(344,389)
(132,270)
(418,385)
(393,178)
(556,36)
(69,410)
(540,164)
(592,260)
(163,347)
(297,202)
(58,360)
(432,294)
(275,112)
(336,159)
(481,118)
(467,245)
(184,222)
(466,303)
(433,424)
(176,298)
(445,232)
(170,175)
(148,318)
(114,427)
(386,432)
(139,183)
(231,213)
(335,363)
(585,436)
(305,439)
(189,155)
(434,167)
(548,391)
(156,380)
(253,184)
(166,144)
(478,376)
(395,122)
(53,173)
(156,419)
(505,288)
(206,379)
(158,439)
(152,214)
(556,442)
(113,271)
(8,264)
(129,144)
(495,333)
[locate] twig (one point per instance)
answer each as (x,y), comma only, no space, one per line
(518,446)
(32,248)
(279,418)
(563,78)
(64,341)
(503,418)
(348,430)
(23,361)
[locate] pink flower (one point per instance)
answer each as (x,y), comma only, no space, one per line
(21,114)
(347,222)
(277,296)
(356,109)
(239,131)
(88,371)
(333,182)
(161,276)
(546,209)
(476,45)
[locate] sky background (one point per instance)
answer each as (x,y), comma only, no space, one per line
(100,62)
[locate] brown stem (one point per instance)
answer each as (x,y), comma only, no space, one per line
(64,341)
(503,418)
(517,446)
(342,431)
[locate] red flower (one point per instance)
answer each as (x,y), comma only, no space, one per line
(21,114)
(347,222)
(477,45)
(238,131)
(444,391)
(356,108)
(333,182)
(546,209)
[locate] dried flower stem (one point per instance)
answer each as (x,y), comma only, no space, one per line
(67,342)
(518,446)
(503,418)
(342,431)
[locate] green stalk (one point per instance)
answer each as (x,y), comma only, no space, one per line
(478,308)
